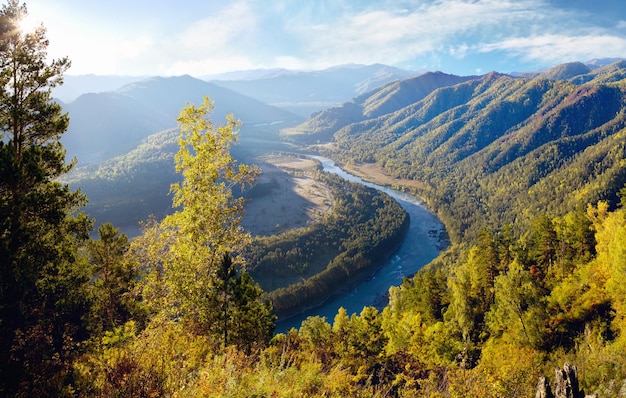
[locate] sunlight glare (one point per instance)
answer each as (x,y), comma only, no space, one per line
(29,23)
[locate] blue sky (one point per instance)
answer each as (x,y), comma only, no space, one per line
(201,37)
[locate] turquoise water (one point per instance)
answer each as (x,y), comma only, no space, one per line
(422,244)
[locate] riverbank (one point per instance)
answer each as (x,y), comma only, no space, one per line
(285,196)
(423,241)
(374,173)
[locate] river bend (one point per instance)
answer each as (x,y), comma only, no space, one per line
(422,243)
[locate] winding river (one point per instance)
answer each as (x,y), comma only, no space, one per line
(423,242)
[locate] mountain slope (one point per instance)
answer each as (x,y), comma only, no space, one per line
(103,125)
(566,71)
(127,189)
(76,85)
(388,98)
(496,149)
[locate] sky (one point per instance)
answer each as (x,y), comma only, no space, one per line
(204,37)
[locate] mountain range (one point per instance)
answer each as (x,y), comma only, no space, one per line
(111,122)
(493,149)
(107,124)
(390,97)
(306,92)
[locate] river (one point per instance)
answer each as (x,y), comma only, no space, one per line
(423,242)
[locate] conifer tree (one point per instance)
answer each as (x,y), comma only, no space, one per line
(41,276)
(112,282)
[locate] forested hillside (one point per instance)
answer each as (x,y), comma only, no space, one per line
(128,189)
(322,125)
(304,267)
(497,149)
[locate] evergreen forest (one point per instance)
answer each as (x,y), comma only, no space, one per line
(527,173)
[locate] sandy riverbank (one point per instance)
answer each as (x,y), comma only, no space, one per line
(285,196)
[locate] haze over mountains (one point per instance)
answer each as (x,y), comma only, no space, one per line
(306,92)
(112,122)
(108,124)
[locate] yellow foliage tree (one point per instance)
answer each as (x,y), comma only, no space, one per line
(193,272)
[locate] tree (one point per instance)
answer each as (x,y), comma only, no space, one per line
(190,251)
(543,243)
(113,280)
(518,309)
(472,293)
(42,277)
(242,318)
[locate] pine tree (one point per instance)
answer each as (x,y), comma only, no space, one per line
(242,318)
(112,282)
(42,278)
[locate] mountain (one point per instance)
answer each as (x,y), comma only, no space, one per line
(496,149)
(75,85)
(103,125)
(608,74)
(566,71)
(307,92)
(599,62)
(381,101)
(251,74)
(127,189)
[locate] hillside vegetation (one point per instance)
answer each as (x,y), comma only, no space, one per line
(304,267)
(322,125)
(496,149)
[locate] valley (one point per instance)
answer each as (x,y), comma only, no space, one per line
(424,240)
(523,172)
(358,230)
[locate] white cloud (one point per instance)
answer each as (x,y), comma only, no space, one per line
(227,28)
(395,36)
(552,48)
(212,44)
(459,51)
(302,35)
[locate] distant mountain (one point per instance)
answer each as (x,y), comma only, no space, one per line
(307,92)
(600,62)
(76,85)
(388,98)
(611,73)
(252,74)
(572,68)
(103,125)
(497,149)
(566,71)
